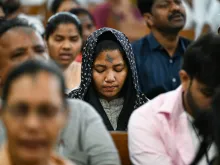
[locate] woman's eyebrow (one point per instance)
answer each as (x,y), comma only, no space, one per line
(119,64)
(99,65)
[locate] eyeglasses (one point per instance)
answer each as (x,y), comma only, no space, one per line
(43,112)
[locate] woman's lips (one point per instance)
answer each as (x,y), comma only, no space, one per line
(33,144)
(109,88)
(65,56)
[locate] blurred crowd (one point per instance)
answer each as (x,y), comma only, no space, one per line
(109,82)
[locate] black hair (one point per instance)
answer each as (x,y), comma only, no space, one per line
(145,6)
(32,68)
(202,58)
(216,121)
(57,3)
(78,11)
(62,18)
(108,42)
(7,25)
(10,6)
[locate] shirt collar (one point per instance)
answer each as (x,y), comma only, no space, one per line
(173,103)
(154,44)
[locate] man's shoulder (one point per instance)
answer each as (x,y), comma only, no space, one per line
(140,46)
(140,41)
(153,107)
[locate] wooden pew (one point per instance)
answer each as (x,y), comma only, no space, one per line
(189,34)
(121,141)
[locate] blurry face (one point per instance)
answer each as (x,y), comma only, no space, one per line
(88,26)
(33,122)
(67,5)
(109,74)
(64,44)
(197,96)
(16,46)
(167,16)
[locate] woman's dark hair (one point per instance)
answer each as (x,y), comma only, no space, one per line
(32,68)
(62,18)
(57,3)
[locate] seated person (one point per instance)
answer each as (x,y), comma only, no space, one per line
(64,41)
(162,131)
(19,41)
(109,78)
(159,54)
(33,122)
(88,25)
(80,141)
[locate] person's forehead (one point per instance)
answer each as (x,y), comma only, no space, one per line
(21,37)
(111,55)
(44,85)
(66,28)
(67,5)
(84,18)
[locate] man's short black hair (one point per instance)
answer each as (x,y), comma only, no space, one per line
(32,68)
(57,3)
(202,60)
(145,6)
(13,23)
(79,11)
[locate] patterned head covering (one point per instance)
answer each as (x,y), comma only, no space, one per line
(88,59)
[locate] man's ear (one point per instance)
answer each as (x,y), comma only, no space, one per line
(148,18)
(185,79)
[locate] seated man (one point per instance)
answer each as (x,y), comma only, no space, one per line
(85,139)
(162,131)
(159,55)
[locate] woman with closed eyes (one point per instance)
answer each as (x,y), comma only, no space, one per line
(109,78)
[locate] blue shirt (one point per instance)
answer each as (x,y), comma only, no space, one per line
(157,71)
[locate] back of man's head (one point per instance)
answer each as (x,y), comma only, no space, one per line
(202,60)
